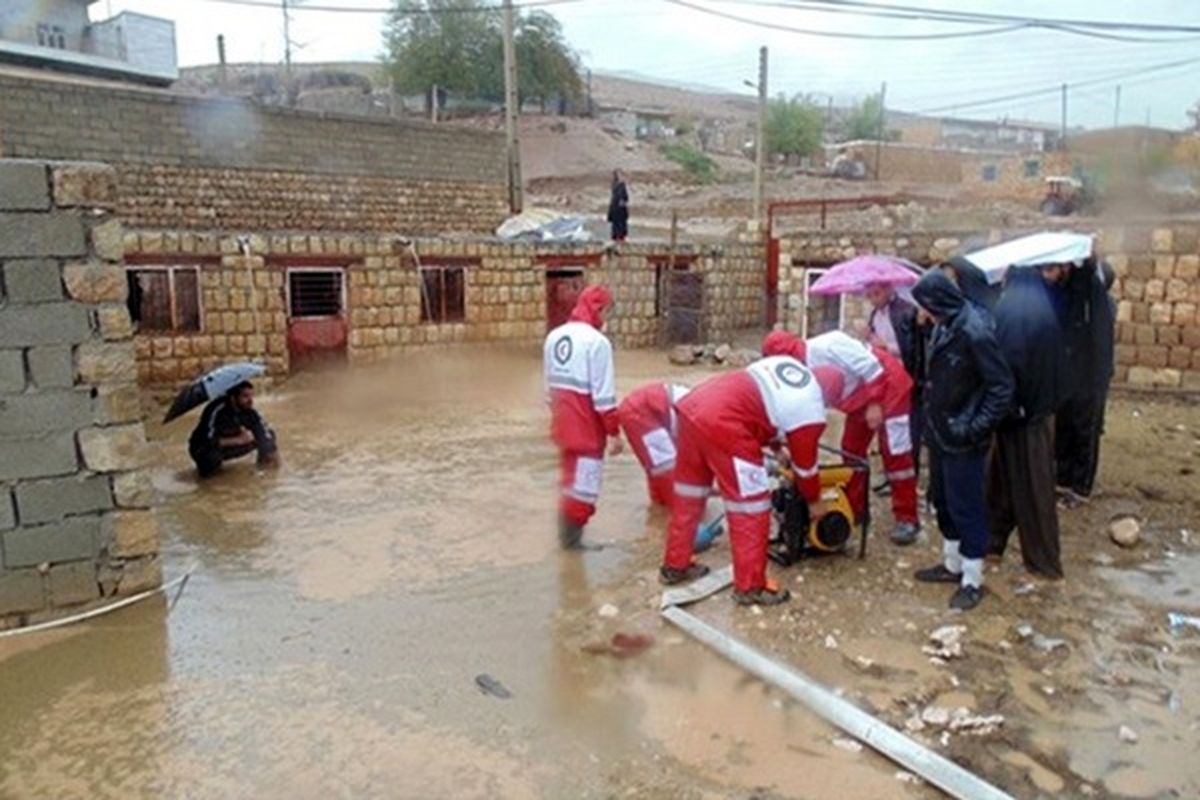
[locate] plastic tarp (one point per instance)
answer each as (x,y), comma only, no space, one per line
(1032,251)
(543,225)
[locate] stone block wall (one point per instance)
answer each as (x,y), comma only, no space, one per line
(75,518)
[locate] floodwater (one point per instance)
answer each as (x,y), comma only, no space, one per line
(340,609)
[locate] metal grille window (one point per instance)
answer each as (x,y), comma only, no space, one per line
(52,36)
(165,299)
(443,294)
(315,293)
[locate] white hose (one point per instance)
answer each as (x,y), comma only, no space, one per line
(181,581)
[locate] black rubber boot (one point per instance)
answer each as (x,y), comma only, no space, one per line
(938,574)
(669,576)
(570,536)
(762,597)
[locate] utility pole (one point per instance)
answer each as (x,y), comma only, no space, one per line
(1117,108)
(222,76)
(591,111)
(287,40)
(1062,130)
(882,127)
(515,200)
(760,147)
(434,103)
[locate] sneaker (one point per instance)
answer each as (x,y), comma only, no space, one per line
(669,576)
(769,595)
(966,598)
(938,574)
(905,533)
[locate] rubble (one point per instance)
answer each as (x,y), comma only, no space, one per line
(1127,735)
(723,354)
(957,720)
(1125,531)
(946,642)
(608,611)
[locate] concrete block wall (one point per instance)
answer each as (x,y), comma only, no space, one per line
(75,518)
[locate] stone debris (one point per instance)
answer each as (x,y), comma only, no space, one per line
(831,643)
(1125,531)
(1102,559)
(1127,735)
(849,745)
(914,724)
(724,354)
(959,720)
(907,777)
(608,611)
(946,642)
(683,355)
(1024,589)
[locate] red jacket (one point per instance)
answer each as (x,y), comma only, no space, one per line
(865,379)
(579,380)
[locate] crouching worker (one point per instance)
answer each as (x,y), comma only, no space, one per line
(230,428)
(723,426)
(578,363)
(651,425)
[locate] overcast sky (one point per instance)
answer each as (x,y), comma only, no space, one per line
(656,38)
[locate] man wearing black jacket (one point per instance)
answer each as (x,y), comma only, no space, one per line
(230,428)
(968,390)
(1020,488)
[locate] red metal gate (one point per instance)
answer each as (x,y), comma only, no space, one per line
(317,328)
(562,291)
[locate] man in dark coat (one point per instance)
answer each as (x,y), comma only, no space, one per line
(1090,322)
(968,391)
(618,208)
(230,428)
(1021,467)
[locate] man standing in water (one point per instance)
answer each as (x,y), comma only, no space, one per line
(230,428)
(578,369)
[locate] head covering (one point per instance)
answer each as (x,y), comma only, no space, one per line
(974,283)
(939,295)
(785,343)
(832,383)
(590,306)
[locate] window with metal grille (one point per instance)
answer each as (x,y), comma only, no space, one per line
(52,36)
(315,292)
(443,294)
(164,299)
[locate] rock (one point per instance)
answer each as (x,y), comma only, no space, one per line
(682,356)
(722,353)
(914,724)
(608,611)
(1125,531)
(1024,630)
(937,716)
(1127,735)
(743,358)
(1048,644)
(963,721)
(849,745)
(947,642)
(908,777)
(1102,559)
(831,643)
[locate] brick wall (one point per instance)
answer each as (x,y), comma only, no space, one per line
(75,524)
(213,163)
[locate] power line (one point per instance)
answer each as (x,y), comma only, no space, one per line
(377,10)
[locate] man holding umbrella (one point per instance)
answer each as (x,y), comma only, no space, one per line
(230,428)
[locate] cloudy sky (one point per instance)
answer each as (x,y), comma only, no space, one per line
(963,76)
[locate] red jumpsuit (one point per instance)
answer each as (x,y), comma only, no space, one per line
(723,426)
(650,423)
(871,376)
(578,364)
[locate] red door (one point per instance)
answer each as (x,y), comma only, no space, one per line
(317,329)
(562,291)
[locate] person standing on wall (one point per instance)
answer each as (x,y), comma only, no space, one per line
(968,391)
(580,385)
(618,207)
(1020,471)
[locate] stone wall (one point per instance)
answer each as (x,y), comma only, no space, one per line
(187,162)
(75,524)
(1157,288)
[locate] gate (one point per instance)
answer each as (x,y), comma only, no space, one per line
(685,307)
(562,291)
(317,329)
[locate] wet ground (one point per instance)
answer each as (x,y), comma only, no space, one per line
(341,609)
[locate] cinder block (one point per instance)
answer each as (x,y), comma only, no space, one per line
(114,404)
(36,280)
(12,371)
(108,240)
(44,412)
(114,449)
(8,516)
(93,282)
(84,184)
(106,362)
(52,367)
(72,584)
(23,186)
(72,539)
(49,500)
(44,323)
(37,235)
(21,590)
(37,456)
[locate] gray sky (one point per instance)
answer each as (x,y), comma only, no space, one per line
(655,38)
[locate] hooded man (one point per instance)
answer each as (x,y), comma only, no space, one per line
(877,395)
(651,425)
(968,391)
(578,369)
(1021,467)
(724,423)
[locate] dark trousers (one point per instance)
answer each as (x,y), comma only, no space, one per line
(1078,428)
(916,428)
(956,483)
(1020,493)
(210,458)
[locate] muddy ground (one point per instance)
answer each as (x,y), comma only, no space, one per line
(341,609)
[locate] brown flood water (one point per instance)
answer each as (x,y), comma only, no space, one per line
(328,641)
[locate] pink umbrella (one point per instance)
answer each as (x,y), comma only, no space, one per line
(855,275)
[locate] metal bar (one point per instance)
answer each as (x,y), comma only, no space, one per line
(937,770)
(699,589)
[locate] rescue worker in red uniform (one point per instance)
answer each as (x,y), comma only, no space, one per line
(578,369)
(723,426)
(651,425)
(877,396)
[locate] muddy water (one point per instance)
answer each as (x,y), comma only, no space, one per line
(341,607)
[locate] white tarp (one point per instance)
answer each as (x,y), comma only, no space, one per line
(543,225)
(1031,251)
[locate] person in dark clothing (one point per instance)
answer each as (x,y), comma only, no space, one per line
(1020,488)
(968,390)
(973,283)
(618,208)
(230,428)
(1089,329)
(893,326)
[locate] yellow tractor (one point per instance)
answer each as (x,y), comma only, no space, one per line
(799,537)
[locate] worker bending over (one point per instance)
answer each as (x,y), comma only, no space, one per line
(230,428)
(723,426)
(578,363)
(651,425)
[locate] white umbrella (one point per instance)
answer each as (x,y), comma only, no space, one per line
(1032,251)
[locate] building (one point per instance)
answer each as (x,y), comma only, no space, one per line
(973,134)
(59,35)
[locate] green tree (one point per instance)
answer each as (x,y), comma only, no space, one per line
(795,127)
(546,65)
(865,120)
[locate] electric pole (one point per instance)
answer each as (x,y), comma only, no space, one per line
(879,134)
(1062,131)
(515,200)
(1117,108)
(222,76)
(287,40)
(760,147)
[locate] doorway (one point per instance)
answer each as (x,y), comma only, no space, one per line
(562,291)
(317,329)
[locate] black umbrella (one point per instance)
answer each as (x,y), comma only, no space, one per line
(211,385)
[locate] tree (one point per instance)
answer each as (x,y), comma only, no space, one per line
(865,120)
(794,127)
(458,45)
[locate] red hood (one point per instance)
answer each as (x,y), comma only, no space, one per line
(591,303)
(783,343)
